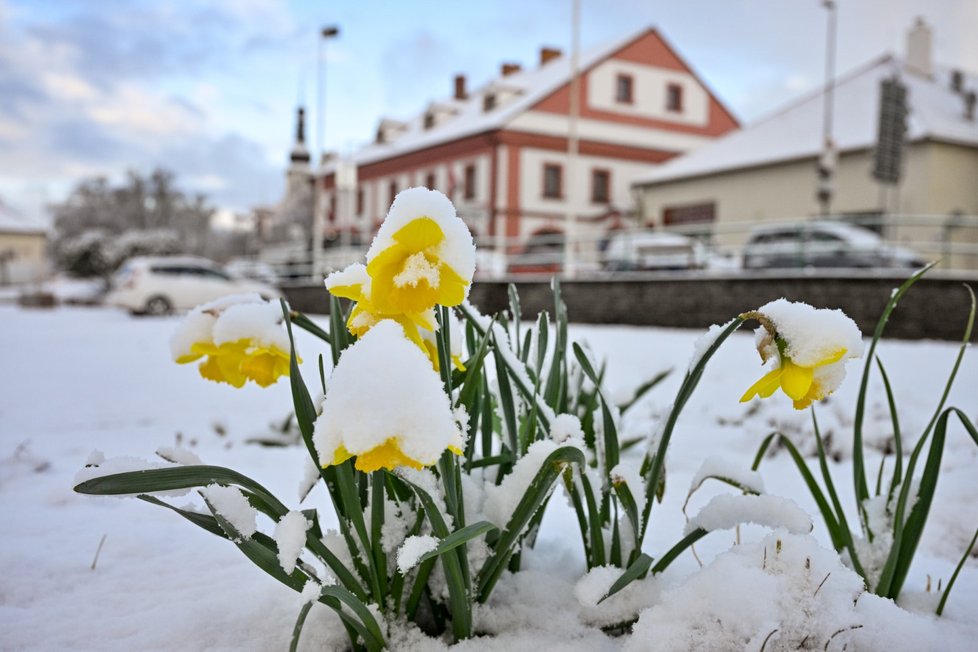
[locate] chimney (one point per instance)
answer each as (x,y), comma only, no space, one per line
(548,54)
(460,93)
(919,41)
(509,68)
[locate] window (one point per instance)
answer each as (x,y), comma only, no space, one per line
(600,186)
(552,181)
(469,191)
(332,207)
(360,201)
(392,191)
(429,120)
(488,102)
(429,181)
(689,214)
(623,89)
(674,97)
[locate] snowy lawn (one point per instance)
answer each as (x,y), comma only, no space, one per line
(77,380)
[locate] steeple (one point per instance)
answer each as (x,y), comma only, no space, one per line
(300,155)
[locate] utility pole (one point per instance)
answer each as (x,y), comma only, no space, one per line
(319,175)
(829,158)
(570,183)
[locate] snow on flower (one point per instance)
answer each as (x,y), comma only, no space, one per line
(422,255)
(385,406)
(809,347)
(240,335)
(430,340)
(354,283)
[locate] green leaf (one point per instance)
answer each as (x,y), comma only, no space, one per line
(307,325)
(897,438)
(205,521)
(677,549)
(636,570)
(954,576)
(643,389)
(656,462)
(535,495)
(514,307)
(458,593)
(611,452)
(858,465)
(457,538)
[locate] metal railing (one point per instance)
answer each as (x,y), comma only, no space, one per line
(741,247)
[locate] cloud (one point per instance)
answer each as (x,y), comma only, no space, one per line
(88,93)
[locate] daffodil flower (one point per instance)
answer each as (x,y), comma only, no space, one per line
(423,255)
(385,406)
(355,284)
(809,348)
(240,338)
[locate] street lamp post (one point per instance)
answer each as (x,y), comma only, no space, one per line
(827,161)
(319,174)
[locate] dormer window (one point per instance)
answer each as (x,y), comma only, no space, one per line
(488,102)
(674,98)
(429,120)
(624,87)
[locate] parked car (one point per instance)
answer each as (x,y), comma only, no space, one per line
(256,270)
(822,244)
(163,285)
(648,250)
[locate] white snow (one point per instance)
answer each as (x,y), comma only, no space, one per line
(262,323)
(199,324)
(413,548)
(384,387)
(717,466)
(566,429)
(704,342)
(97,465)
(813,334)
(204,590)
(725,511)
(178,455)
(352,275)
(502,499)
(232,505)
(290,536)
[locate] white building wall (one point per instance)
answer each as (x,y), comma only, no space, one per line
(649,86)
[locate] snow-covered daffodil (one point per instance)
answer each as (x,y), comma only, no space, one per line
(423,255)
(807,348)
(240,338)
(385,406)
(355,284)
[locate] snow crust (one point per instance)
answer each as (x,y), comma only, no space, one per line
(290,536)
(382,388)
(232,505)
(717,466)
(725,511)
(413,548)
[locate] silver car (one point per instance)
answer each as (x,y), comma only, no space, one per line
(823,243)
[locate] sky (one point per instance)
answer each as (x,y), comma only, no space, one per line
(209,89)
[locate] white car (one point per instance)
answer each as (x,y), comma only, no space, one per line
(648,250)
(163,285)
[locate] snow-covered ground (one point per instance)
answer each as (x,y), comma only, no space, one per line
(77,380)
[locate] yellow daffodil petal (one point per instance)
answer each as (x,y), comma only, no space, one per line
(795,380)
(451,287)
(340,455)
(419,234)
(353,292)
(386,456)
(835,357)
(189,357)
(764,387)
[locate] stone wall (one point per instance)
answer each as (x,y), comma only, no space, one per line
(935,308)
